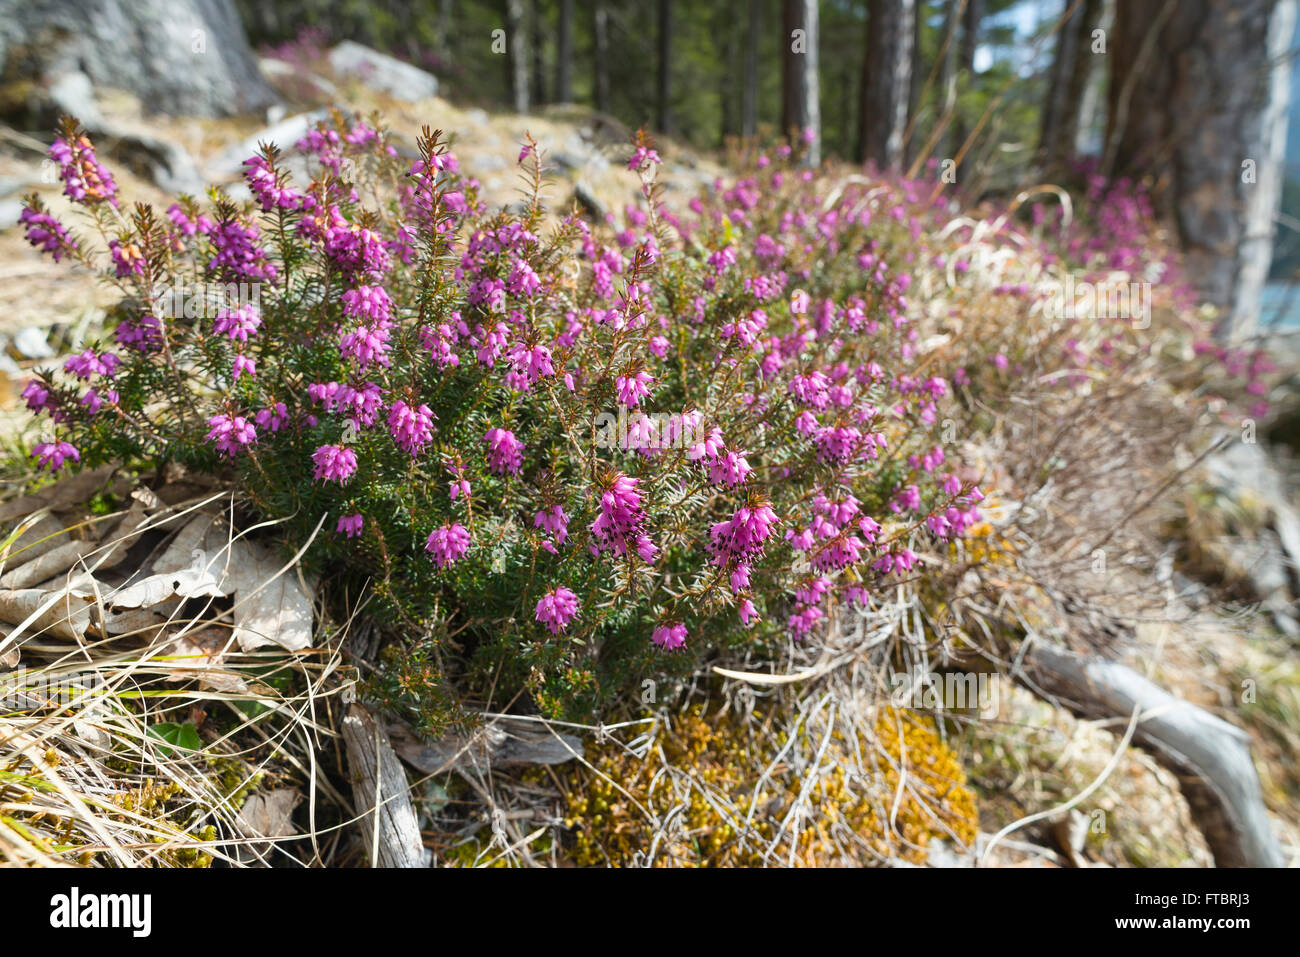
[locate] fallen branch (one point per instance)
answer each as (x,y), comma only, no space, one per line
(379,789)
(1210,757)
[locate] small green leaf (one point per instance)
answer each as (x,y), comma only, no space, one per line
(184,736)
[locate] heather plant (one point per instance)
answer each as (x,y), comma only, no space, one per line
(553,457)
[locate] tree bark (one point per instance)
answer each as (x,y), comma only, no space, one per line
(564,54)
(749,97)
(1071,70)
(663,99)
(1198,106)
(948,68)
(537,53)
(517,55)
(916,80)
(972,18)
(800,100)
(886,81)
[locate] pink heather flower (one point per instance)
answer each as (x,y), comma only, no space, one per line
(84,179)
(742,535)
(553,520)
(557,608)
(523,281)
(334,463)
(620,512)
(439,341)
(412,428)
(670,637)
(368,302)
(351,525)
(37,396)
(730,469)
(238,255)
(505,452)
(632,389)
(802,621)
(52,455)
(187,226)
(243,364)
(90,363)
(748,613)
(642,159)
(367,344)
(93,401)
(739,578)
(238,323)
(270,193)
(1000,361)
(46,233)
(360,405)
(528,365)
(908,497)
(127,260)
(355,250)
(459,486)
(274,418)
(231,433)
(448,544)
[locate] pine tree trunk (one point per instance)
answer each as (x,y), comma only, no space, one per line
(537,53)
(948,67)
(1071,69)
(916,80)
(564,54)
(886,81)
(800,100)
(972,18)
(1198,107)
(517,55)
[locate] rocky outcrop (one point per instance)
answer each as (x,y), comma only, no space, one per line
(178,56)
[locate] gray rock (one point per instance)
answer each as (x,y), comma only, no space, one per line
(489,163)
(166,163)
(186,57)
(590,202)
(30,343)
(379,71)
(10,210)
(74,94)
(283,134)
(281,70)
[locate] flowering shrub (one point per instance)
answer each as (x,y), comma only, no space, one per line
(557,456)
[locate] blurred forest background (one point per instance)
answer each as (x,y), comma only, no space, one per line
(1011,89)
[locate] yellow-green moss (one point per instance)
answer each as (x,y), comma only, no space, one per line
(608,829)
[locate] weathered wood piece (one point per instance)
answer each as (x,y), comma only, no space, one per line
(379,789)
(1210,757)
